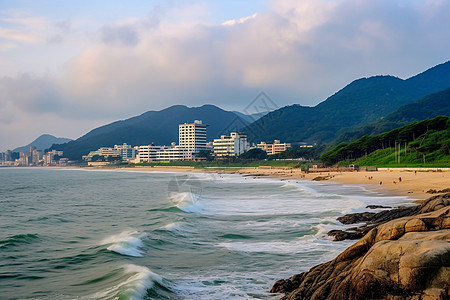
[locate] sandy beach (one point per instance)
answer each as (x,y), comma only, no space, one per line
(408,183)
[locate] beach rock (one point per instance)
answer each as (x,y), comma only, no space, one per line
(433,191)
(404,259)
(377,206)
(340,235)
(357,218)
(322,178)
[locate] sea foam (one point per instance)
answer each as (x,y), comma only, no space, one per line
(187,202)
(126,243)
(136,281)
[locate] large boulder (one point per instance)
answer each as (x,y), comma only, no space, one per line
(404,259)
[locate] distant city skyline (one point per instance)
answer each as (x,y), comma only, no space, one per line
(68,68)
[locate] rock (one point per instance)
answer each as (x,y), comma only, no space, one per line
(415,225)
(321,178)
(377,206)
(340,235)
(433,191)
(403,259)
(356,218)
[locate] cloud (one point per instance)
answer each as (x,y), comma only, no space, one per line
(119,35)
(296,51)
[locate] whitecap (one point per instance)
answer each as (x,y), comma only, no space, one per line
(187,202)
(126,243)
(137,280)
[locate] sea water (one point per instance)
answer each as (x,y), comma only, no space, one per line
(78,234)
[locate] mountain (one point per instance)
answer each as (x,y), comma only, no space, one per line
(251,118)
(428,107)
(361,102)
(158,127)
(43,142)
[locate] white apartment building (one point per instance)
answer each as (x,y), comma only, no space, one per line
(147,152)
(233,145)
(174,153)
(192,136)
(274,148)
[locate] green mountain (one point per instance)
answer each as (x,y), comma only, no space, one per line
(43,142)
(361,102)
(424,141)
(428,107)
(158,127)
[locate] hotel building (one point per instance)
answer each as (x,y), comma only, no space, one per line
(233,145)
(192,136)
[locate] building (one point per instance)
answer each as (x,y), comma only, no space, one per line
(233,145)
(147,152)
(36,157)
(126,151)
(192,136)
(274,148)
(174,153)
(51,158)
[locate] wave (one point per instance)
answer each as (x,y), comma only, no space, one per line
(298,186)
(187,202)
(136,280)
(126,243)
(27,238)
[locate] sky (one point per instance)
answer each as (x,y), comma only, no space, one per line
(67,67)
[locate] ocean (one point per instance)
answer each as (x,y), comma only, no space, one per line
(82,234)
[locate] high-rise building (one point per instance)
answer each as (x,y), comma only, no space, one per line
(36,156)
(192,136)
(233,145)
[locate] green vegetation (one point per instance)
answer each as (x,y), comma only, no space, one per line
(253,154)
(422,143)
(307,153)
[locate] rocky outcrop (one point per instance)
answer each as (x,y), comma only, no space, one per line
(372,220)
(404,259)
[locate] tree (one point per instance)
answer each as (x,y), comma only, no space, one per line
(254,154)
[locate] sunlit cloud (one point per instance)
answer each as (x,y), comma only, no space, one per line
(297,51)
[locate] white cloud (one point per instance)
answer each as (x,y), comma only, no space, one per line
(240,20)
(296,51)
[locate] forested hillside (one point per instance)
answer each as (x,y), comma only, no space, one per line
(420,142)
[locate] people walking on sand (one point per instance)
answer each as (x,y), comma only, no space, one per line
(381,182)
(399,179)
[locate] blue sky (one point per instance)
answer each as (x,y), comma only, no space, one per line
(69,66)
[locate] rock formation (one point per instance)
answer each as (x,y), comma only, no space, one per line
(403,259)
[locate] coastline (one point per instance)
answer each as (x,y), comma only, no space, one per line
(413,184)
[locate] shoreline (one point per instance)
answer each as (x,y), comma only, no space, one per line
(413,184)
